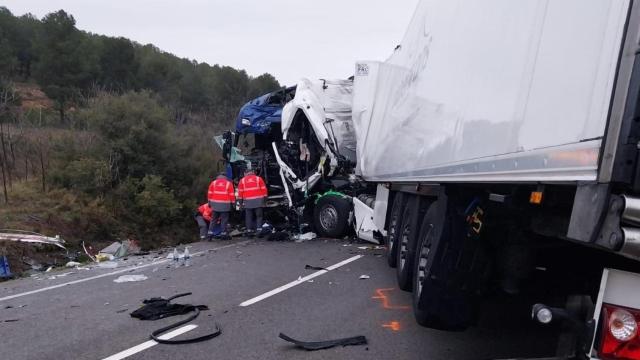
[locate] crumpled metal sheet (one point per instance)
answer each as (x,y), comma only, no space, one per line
(27,237)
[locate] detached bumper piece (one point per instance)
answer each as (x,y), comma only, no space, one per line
(319,345)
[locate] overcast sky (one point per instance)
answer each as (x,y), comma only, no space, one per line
(287,38)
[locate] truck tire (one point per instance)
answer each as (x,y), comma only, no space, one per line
(395,220)
(331,216)
(451,268)
(406,243)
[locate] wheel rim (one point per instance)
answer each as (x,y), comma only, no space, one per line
(392,232)
(404,245)
(423,261)
(329,217)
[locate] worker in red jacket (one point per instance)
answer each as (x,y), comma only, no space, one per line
(203,218)
(252,192)
(221,199)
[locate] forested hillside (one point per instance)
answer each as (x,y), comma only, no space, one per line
(103,138)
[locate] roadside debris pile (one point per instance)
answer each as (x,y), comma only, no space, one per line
(24,252)
(117,250)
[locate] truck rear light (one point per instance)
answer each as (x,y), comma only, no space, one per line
(619,333)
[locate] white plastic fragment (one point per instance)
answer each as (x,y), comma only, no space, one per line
(130,278)
(304,237)
(108,264)
(364,277)
(71,264)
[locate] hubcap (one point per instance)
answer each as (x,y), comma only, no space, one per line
(329,217)
(423,261)
(404,245)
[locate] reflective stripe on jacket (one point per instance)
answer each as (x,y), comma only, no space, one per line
(221,191)
(252,187)
(205,211)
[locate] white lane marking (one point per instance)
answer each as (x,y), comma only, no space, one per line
(110,274)
(151,343)
(298,282)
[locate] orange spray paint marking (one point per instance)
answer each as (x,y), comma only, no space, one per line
(394,326)
(385,300)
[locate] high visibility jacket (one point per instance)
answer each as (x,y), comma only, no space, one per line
(221,191)
(252,187)
(205,211)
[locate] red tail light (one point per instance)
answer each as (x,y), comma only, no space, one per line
(619,333)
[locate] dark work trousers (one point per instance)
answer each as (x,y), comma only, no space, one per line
(203,225)
(224,220)
(253,219)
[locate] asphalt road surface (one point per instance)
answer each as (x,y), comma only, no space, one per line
(84,314)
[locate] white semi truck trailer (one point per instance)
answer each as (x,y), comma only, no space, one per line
(503,137)
(501,142)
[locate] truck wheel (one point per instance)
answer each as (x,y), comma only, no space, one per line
(406,243)
(331,216)
(451,268)
(395,220)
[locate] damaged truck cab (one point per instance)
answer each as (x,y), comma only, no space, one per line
(304,146)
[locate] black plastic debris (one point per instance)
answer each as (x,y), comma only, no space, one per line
(279,236)
(309,267)
(160,308)
(319,345)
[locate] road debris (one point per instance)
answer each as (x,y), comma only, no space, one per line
(130,278)
(71,264)
(279,236)
(160,308)
(120,249)
(93,258)
(319,345)
(5,272)
(104,257)
(364,277)
(108,265)
(11,320)
(310,267)
(304,237)
(31,237)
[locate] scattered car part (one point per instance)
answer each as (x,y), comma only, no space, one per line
(319,345)
(304,237)
(31,237)
(130,278)
(160,308)
(309,267)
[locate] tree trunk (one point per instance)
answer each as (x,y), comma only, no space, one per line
(44,175)
(26,166)
(5,163)
(61,110)
(4,184)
